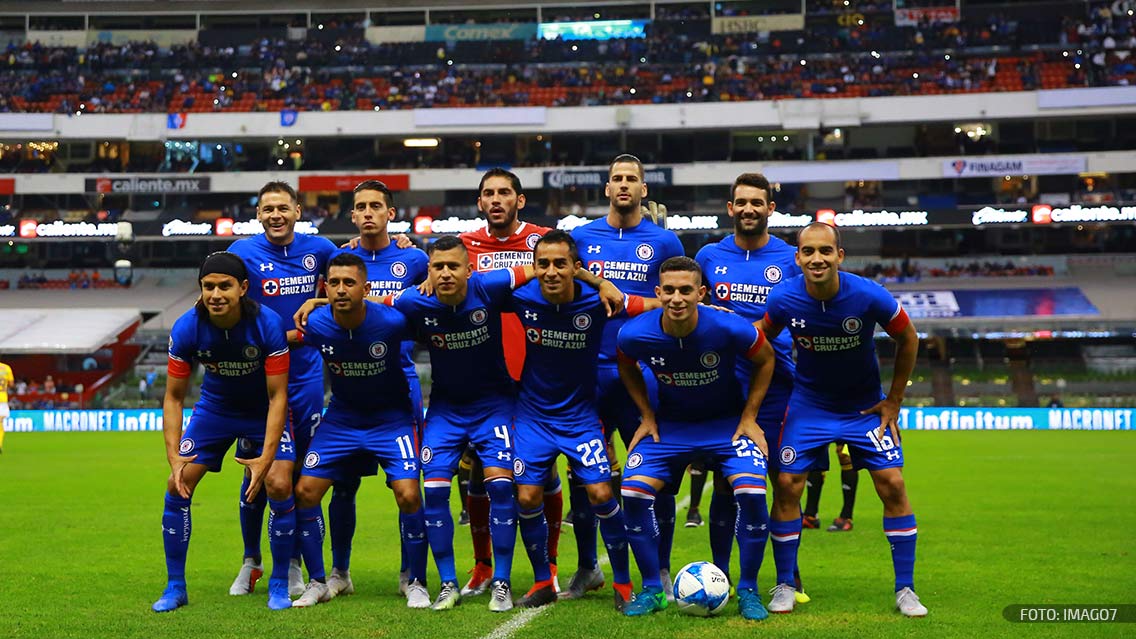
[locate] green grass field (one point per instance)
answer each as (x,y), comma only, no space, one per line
(1004,518)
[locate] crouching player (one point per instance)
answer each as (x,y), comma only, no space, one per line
(370,416)
(243,348)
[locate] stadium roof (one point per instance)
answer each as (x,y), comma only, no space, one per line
(59,331)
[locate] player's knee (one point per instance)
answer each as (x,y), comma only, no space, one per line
(789,488)
(171,487)
(530,497)
(307,495)
(408,498)
(890,486)
(599,493)
(278,485)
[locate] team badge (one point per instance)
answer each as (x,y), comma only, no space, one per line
(398,269)
(427,454)
(252,352)
(634,460)
(595,267)
(665,378)
(722,291)
(788,455)
(310,262)
(852,325)
(518,467)
(805,342)
(438,340)
(378,350)
(533,334)
(485,262)
(312,460)
(582,321)
(186,446)
(335,368)
(478,316)
(531,240)
(644,252)
(271,288)
(773,273)
(709,359)
(210,366)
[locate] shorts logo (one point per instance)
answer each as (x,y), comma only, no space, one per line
(664,378)
(244,444)
(722,290)
(312,460)
(438,341)
(186,446)
(709,359)
(788,455)
(484,262)
(252,352)
(518,467)
(378,350)
(644,252)
(271,288)
(427,454)
(852,325)
(582,321)
(772,274)
(310,262)
(398,269)
(478,316)
(531,240)
(805,342)
(533,335)
(634,460)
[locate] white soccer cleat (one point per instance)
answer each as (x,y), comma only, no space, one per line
(449,597)
(908,603)
(784,598)
(500,596)
(250,573)
(403,581)
(668,585)
(315,593)
(295,579)
(417,595)
(339,583)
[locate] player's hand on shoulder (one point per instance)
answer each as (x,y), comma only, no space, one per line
(611,297)
(352,243)
(426,288)
(403,241)
(716,307)
(300,318)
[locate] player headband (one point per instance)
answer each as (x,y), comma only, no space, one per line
(225,263)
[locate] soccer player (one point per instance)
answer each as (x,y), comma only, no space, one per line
(739,271)
(283,269)
(389,270)
(626,250)
(243,347)
(6,382)
(704,415)
(370,415)
(837,397)
(563,323)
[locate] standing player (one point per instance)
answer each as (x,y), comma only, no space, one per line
(563,324)
(283,268)
(370,415)
(837,397)
(693,352)
(389,270)
(626,250)
(6,382)
(243,348)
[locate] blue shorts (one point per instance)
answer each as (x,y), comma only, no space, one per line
(349,444)
(617,412)
(538,442)
(209,436)
(809,429)
(305,405)
(683,443)
(486,426)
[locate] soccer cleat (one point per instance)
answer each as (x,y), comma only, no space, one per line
(250,573)
(315,593)
(649,600)
(693,518)
(800,597)
(173,597)
(463,518)
(403,581)
(339,583)
(784,598)
(840,525)
(541,594)
(623,595)
(449,597)
(278,598)
(668,585)
(810,521)
(555,579)
(500,596)
(416,595)
(479,577)
(295,578)
(750,606)
(908,603)
(568,521)
(583,581)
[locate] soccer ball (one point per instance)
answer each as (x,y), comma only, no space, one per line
(701,589)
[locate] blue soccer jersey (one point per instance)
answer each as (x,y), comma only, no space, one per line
(837,368)
(696,375)
(236,360)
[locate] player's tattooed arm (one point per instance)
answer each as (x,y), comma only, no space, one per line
(907,349)
(172,405)
(763,362)
(273,429)
(611,296)
(632,377)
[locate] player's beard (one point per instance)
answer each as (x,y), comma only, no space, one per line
(756,231)
(510,218)
(625,210)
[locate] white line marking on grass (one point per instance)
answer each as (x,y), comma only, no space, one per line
(520,620)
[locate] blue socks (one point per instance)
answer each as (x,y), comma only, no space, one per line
(252,520)
(901,534)
(723,516)
(176,526)
(281,535)
(786,536)
(614,530)
(642,530)
(341,521)
(439,522)
(534,534)
(752,528)
(665,516)
(503,525)
(583,525)
(310,523)
(412,527)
